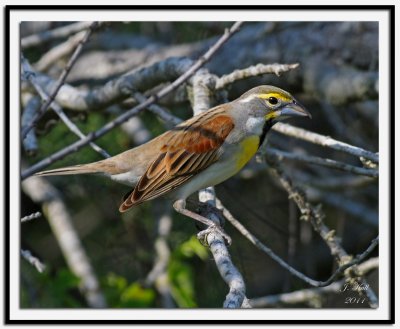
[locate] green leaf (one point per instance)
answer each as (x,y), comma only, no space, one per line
(193,247)
(121,294)
(137,296)
(182,287)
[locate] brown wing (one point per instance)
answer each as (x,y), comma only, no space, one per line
(188,149)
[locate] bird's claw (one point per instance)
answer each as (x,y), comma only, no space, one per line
(216,229)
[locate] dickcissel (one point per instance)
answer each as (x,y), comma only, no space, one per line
(203,151)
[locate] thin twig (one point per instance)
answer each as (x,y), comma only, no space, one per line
(158,110)
(122,87)
(323,162)
(60,32)
(34,261)
(326,141)
(41,191)
(119,88)
(32,216)
(30,74)
(137,109)
(253,71)
(285,265)
(60,80)
(315,217)
(308,295)
(59,51)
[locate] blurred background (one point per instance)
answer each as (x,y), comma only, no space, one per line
(337,82)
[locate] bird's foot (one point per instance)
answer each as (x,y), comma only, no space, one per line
(205,224)
(215,229)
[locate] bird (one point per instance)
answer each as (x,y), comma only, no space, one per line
(202,151)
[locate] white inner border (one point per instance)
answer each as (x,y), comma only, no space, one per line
(381,313)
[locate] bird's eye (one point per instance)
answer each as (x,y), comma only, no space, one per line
(273,100)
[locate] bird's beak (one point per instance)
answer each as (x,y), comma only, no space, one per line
(293,109)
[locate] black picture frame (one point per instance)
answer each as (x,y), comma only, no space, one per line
(7,219)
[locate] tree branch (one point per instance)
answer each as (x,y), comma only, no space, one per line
(39,190)
(60,80)
(315,217)
(228,271)
(58,33)
(30,143)
(34,261)
(32,216)
(125,116)
(158,110)
(31,76)
(279,154)
(308,295)
(253,71)
(326,141)
(58,52)
(285,265)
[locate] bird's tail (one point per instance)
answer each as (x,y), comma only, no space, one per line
(71,170)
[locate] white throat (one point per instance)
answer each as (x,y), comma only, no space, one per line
(254,126)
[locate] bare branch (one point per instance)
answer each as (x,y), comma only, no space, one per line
(60,80)
(118,89)
(285,265)
(202,60)
(315,217)
(31,76)
(59,51)
(253,71)
(30,143)
(34,261)
(32,216)
(58,33)
(158,110)
(223,261)
(39,190)
(326,141)
(307,295)
(125,116)
(240,227)
(228,271)
(322,162)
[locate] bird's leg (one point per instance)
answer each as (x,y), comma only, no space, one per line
(206,208)
(180,207)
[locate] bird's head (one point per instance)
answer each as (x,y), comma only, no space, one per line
(271,104)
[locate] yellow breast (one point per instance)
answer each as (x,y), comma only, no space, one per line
(249,147)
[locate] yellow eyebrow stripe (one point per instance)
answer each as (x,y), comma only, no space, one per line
(277,95)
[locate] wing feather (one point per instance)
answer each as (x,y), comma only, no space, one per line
(190,148)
